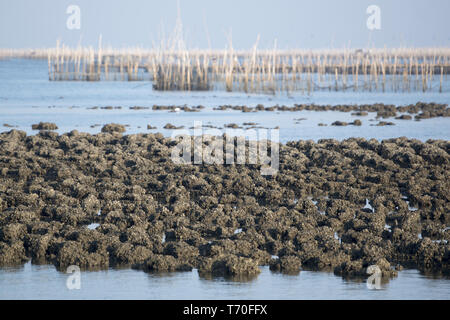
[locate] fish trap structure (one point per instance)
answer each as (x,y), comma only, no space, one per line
(258,71)
(179,75)
(86,64)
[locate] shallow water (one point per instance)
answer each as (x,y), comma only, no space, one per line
(44,282)
(27,97)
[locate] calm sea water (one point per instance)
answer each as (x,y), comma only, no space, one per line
(27,97)
(44,282)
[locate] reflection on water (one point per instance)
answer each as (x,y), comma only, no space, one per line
(44,282)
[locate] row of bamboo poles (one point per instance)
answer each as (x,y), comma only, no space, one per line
(255,70)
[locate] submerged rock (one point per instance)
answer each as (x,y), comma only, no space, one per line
(360,113)
(385,123)
(232,125)
(44,126)
(339,123)
(404,117)
(113,128)
(172,127)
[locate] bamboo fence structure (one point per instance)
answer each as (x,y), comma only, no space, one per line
(173,67)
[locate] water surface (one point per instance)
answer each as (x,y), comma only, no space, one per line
(44,282)
(27,97)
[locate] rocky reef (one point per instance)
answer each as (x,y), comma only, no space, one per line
(333,205)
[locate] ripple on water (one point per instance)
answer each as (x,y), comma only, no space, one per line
(26,282)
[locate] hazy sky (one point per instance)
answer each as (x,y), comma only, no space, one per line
(294,23)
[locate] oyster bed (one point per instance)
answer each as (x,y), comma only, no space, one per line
(114,200)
